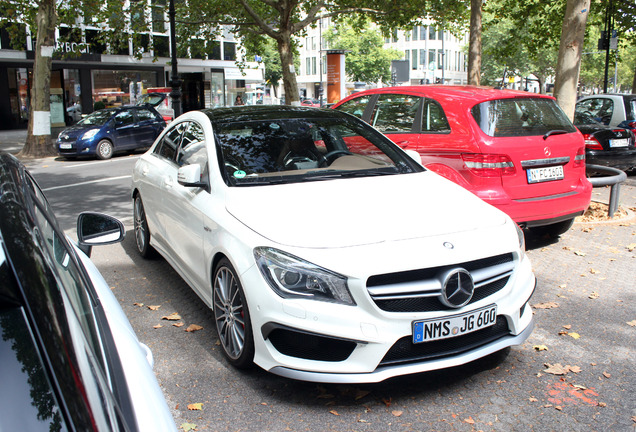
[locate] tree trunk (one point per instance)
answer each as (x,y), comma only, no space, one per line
(292,96)
(38,142)
(474,48)
(569,62)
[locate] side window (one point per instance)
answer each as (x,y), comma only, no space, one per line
(355,106)
(145,115)
(433,118)
(606,110)
(193,149)
(395,113)
(167,148)
(124,118)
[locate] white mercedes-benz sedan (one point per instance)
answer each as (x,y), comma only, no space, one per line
(326,252)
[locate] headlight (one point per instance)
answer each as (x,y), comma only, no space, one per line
(522,240)
(291,277)
(90,134)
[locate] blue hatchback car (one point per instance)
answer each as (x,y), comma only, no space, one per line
(111,130)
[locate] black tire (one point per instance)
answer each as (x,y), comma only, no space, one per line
(104,149)
(142,233)
(553,230)
(231,316)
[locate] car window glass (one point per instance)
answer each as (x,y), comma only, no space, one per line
(395,113)
(520,117)
(631,110)
(304,149)
(32,405)
(144,115)
(69,279)
(98,118)
(193,149)
(434,118)
(124,118)
(355,106)
(167,148)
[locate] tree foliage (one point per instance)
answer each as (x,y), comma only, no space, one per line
(366,60)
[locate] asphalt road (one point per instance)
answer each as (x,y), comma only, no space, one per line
(584,310)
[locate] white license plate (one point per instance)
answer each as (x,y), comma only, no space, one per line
(66,146)
(457,325)
(623,142)
(538,175)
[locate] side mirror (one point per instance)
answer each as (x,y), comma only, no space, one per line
(98,229)
(190,176)
(413,154)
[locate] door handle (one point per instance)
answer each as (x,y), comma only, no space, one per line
(167,182)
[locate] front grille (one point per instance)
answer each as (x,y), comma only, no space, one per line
(419,290)
(405,351)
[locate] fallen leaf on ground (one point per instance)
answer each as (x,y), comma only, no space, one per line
(138,304)
(540,347)
(533,399)
(334,412)
(594,295)
(567,326)
(546,305)
(397,413)
(469,420)
(361,393)
(606,375)
(179,324)
(154,307)
(579,253)
(594,271)
(568,248)
(174,316)
(387,402)
(195,406)
(632,323)
(631,247)
(188,427)
(574,335)
(193,327)
(563,286)
(158,326)
(558,369)
(602,404)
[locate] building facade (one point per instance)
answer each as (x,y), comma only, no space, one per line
(87,74)
(433,54)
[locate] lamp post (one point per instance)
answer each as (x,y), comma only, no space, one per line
(320,89)
(175,81)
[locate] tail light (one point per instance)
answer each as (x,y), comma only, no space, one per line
(579,159)
(631,124)
(592,143)
(489,165)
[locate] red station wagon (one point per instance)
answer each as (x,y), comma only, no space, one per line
(516,150)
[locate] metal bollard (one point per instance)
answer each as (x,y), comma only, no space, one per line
(614,179)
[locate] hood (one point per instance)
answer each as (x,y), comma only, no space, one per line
(77,130)
(353,212)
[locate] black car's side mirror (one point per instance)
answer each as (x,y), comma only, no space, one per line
(95,229)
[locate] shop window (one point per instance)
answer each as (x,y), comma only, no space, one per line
(229,51)
(141,43)
(161,46)
(197,49)
(13,37)
(158,16)
(214,50)
(96,44)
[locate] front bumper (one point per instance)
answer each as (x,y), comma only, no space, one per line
(325,342)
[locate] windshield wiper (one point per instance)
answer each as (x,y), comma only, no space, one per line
(554,132)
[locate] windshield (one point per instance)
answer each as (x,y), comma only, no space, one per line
(520,117)
(301,149)
(585,118)
(98,118)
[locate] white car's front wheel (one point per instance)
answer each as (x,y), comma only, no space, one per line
(232,317)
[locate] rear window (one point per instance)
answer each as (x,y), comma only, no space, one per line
(520,117)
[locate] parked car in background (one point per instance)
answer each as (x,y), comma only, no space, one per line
(604,145)
(515,150)
(614,110)
(70,359)
(298,228)
(159,99)
(108,131)
(308,102)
